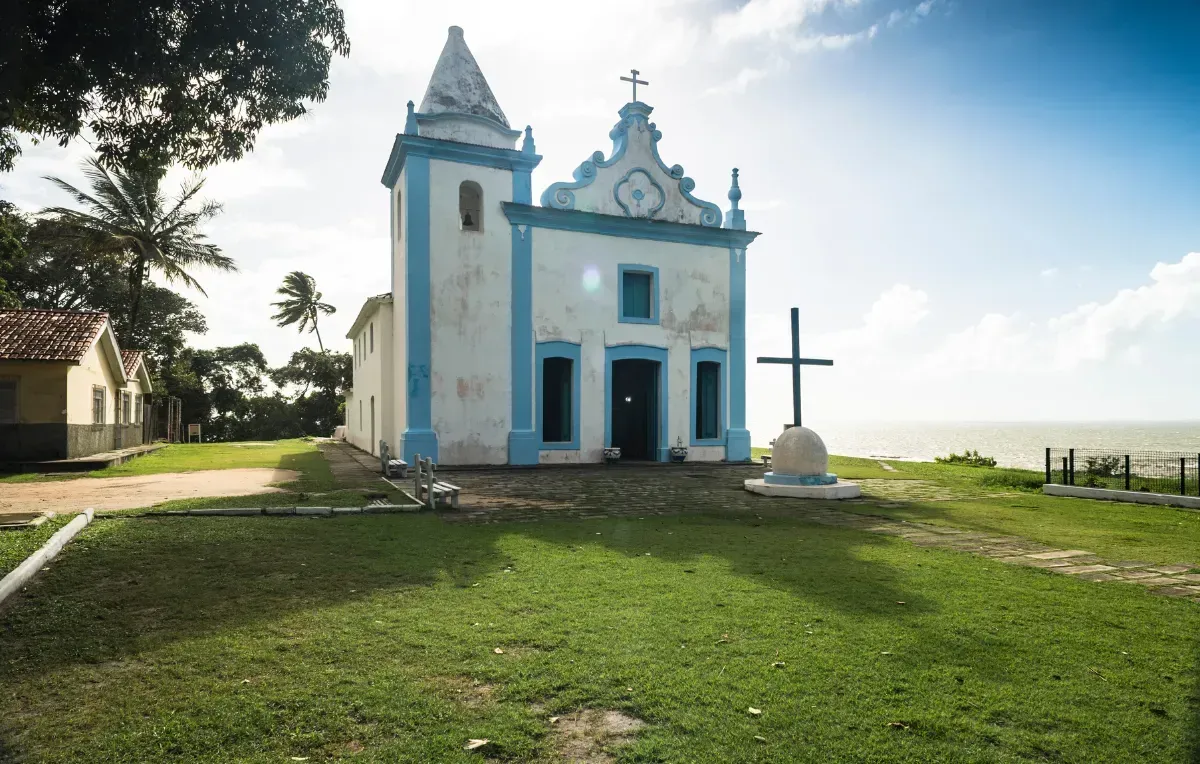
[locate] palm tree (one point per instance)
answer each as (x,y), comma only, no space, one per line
(128,214)
(301,304)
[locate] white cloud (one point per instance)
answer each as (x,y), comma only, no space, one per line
(834,41)
(896,312)
(738,83)
(1049,273)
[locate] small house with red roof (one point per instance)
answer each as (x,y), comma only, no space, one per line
(67,389)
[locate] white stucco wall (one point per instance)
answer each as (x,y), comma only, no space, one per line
(94,370)
(693,308)
(470,317)
(41,390)
(369,375)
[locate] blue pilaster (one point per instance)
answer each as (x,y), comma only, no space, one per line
(418,437)
(737,447)
(522,438)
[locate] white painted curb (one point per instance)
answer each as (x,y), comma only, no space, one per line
(1133,497)
(20,575)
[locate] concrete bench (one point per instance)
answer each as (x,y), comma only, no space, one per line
(429,490)
(397,468)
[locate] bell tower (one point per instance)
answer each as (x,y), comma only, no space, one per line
(461,307)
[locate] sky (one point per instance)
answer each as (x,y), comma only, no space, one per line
(985,210)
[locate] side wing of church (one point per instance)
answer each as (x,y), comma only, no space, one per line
(610,315)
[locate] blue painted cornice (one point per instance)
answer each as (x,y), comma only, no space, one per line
(562,195)
(452,151)
(629,228)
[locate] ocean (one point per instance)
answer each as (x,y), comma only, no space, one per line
(1012,444)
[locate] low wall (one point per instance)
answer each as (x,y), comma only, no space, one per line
(88,439)
(33,442)
(1133,497)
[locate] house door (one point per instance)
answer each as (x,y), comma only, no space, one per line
(635,413)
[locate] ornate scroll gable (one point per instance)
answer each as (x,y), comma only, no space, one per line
(634,182)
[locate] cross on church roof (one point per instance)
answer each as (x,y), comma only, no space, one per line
(635,81)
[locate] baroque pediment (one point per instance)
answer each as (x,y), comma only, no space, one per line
(634,182)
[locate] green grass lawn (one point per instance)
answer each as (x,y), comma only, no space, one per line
(16,545)
(373,638)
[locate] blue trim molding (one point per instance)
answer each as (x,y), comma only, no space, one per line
(418,436)
(406,146)
(629,228)
(637,195)
(523,439)
(647,353)
(773,478)
(560,349)
(650,270)
(634,115)
(718,356)
(737,446)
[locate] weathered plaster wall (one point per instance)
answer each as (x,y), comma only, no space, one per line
(693,309)
(466,130)
(94,370)
(41,390)
(470,317)
(368,383)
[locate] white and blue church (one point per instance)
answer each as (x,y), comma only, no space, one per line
(611,314)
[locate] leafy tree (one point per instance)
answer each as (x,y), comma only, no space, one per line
(161,81)
(301,304)
(324,378)
(130,216)
(64,272)
(13,227)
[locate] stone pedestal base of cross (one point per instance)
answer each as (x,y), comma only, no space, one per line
(795,361)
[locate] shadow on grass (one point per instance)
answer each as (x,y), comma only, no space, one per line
(130,585)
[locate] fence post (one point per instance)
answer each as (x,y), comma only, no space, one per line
(1072,457)
(1065,473)
(1182,476)
(1126,472)
(1198,474)
(1047,465)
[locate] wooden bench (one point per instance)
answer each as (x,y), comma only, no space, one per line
(428,489)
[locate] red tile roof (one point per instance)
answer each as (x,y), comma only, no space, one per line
(130,360)
(48,335)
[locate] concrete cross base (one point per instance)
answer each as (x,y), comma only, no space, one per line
(839,490)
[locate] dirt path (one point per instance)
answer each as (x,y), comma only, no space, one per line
(138,491)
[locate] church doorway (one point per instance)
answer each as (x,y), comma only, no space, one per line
(635,401)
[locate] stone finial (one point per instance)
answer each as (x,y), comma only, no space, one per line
(455,31)
(410,122)
(735,192)
(527,146)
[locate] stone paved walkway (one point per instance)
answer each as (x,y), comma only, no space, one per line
(351,467)
(504,495)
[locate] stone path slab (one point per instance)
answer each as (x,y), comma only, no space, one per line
(590,492)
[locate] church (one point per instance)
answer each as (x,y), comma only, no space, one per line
(609,315)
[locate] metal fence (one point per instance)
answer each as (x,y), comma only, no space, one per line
(1151,471)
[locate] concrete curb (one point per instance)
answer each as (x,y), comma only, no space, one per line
(1132,497)
(377,509)
(21,574)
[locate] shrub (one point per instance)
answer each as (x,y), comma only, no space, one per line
(1022,479)
(968,458)
(1102,466)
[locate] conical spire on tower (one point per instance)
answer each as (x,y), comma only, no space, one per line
(458,86)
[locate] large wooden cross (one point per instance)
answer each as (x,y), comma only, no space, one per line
(634,79)
(796,362)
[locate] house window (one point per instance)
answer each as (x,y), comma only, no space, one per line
(558,378)
(372,328)
(708,400)
(637,294)
(360,416)
(470,206)
(556,400)
(97,405)
(137,409)
(126,407)
(8,401)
